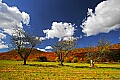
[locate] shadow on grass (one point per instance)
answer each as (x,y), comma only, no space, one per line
(95,67)
(57,66)
(41,65)
(78,66)
(109,68)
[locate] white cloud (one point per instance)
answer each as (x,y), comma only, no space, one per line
(25,18)
(60,30)
(42,38)
(9,31)
(10,18)
(70,38)
(105,18)
(41,49)
(2,36)
(48,47)
(81,36)
(3,45)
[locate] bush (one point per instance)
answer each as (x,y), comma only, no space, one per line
(42,59)
(74,60)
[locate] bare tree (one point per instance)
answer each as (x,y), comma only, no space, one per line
(91,54)
(62,48)
(104,47)
(94,53)
(22,41)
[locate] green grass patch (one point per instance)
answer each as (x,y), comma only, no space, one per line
(15,70)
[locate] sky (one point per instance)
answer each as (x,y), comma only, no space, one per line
(53,20)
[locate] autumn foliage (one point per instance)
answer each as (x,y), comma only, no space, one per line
(76,55)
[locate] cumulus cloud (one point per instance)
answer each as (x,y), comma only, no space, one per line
(60,30)
(105,18)
(10,18)
(48,47)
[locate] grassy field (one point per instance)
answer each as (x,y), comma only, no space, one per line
(14,70)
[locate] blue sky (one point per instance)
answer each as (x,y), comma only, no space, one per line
(44,12)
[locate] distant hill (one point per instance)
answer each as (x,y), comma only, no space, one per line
(13,55)
(51,56)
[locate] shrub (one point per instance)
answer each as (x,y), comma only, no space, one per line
(42,59)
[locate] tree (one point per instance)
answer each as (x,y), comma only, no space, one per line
(100,51)
(104,48)
(24,43)
(62,48)
(91,54)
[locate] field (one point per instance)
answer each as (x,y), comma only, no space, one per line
(14,70)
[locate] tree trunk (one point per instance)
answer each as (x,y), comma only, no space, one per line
(91,63)
(24,61)
(61,62)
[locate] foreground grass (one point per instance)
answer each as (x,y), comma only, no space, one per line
(14,70)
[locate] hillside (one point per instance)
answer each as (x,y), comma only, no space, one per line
(80,53)
(13,55)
